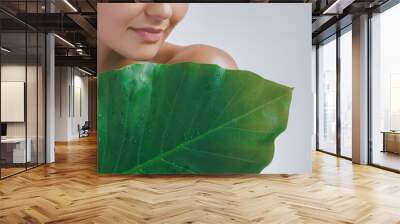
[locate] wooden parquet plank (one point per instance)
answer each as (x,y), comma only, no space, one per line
(70,191)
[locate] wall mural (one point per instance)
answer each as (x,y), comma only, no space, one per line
(165,108)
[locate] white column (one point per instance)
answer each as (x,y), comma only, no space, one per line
(360,89)
(50,99)
(50,92)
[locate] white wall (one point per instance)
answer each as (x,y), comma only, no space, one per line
(273,40)
(33,127)
(69,81)
(17,72)
(14,72)
(13,101)
(313,86)
(80,84)
(61,103)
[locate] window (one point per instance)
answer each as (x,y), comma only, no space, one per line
(327,96)
(346,93)
(385,89)
(394,102)
(334,106)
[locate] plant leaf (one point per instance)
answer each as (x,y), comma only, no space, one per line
(188,118)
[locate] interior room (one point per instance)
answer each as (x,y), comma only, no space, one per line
(49,158)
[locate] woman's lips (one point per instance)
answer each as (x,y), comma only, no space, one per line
(148,34)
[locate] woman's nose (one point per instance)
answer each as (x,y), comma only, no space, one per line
(159,11)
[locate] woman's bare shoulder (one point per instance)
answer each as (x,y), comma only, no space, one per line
(204,54)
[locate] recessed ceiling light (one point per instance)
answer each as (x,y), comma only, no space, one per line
(337,7)
(70,5)
(5,50)
(84,71)
(65,41)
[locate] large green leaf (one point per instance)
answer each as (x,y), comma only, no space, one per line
(188,118)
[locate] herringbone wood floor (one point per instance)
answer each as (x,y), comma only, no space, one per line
(70,191)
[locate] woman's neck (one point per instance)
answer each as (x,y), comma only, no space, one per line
(109,59)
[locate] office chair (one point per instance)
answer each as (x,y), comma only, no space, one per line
(84,130)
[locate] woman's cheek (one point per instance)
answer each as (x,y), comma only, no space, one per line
(111,28)
(179,12)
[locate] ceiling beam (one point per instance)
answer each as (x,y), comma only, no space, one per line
(81,61)
(84,24)
(337,7)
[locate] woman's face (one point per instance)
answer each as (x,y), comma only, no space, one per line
(137,30)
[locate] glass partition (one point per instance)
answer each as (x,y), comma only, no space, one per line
(22,78)
(14,153)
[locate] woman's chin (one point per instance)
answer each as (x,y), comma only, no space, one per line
(146,56)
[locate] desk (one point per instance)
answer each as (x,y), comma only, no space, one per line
(13,150)
(391,141)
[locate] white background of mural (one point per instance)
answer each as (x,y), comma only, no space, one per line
(273,40)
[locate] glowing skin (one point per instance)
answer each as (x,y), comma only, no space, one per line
(133,32)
